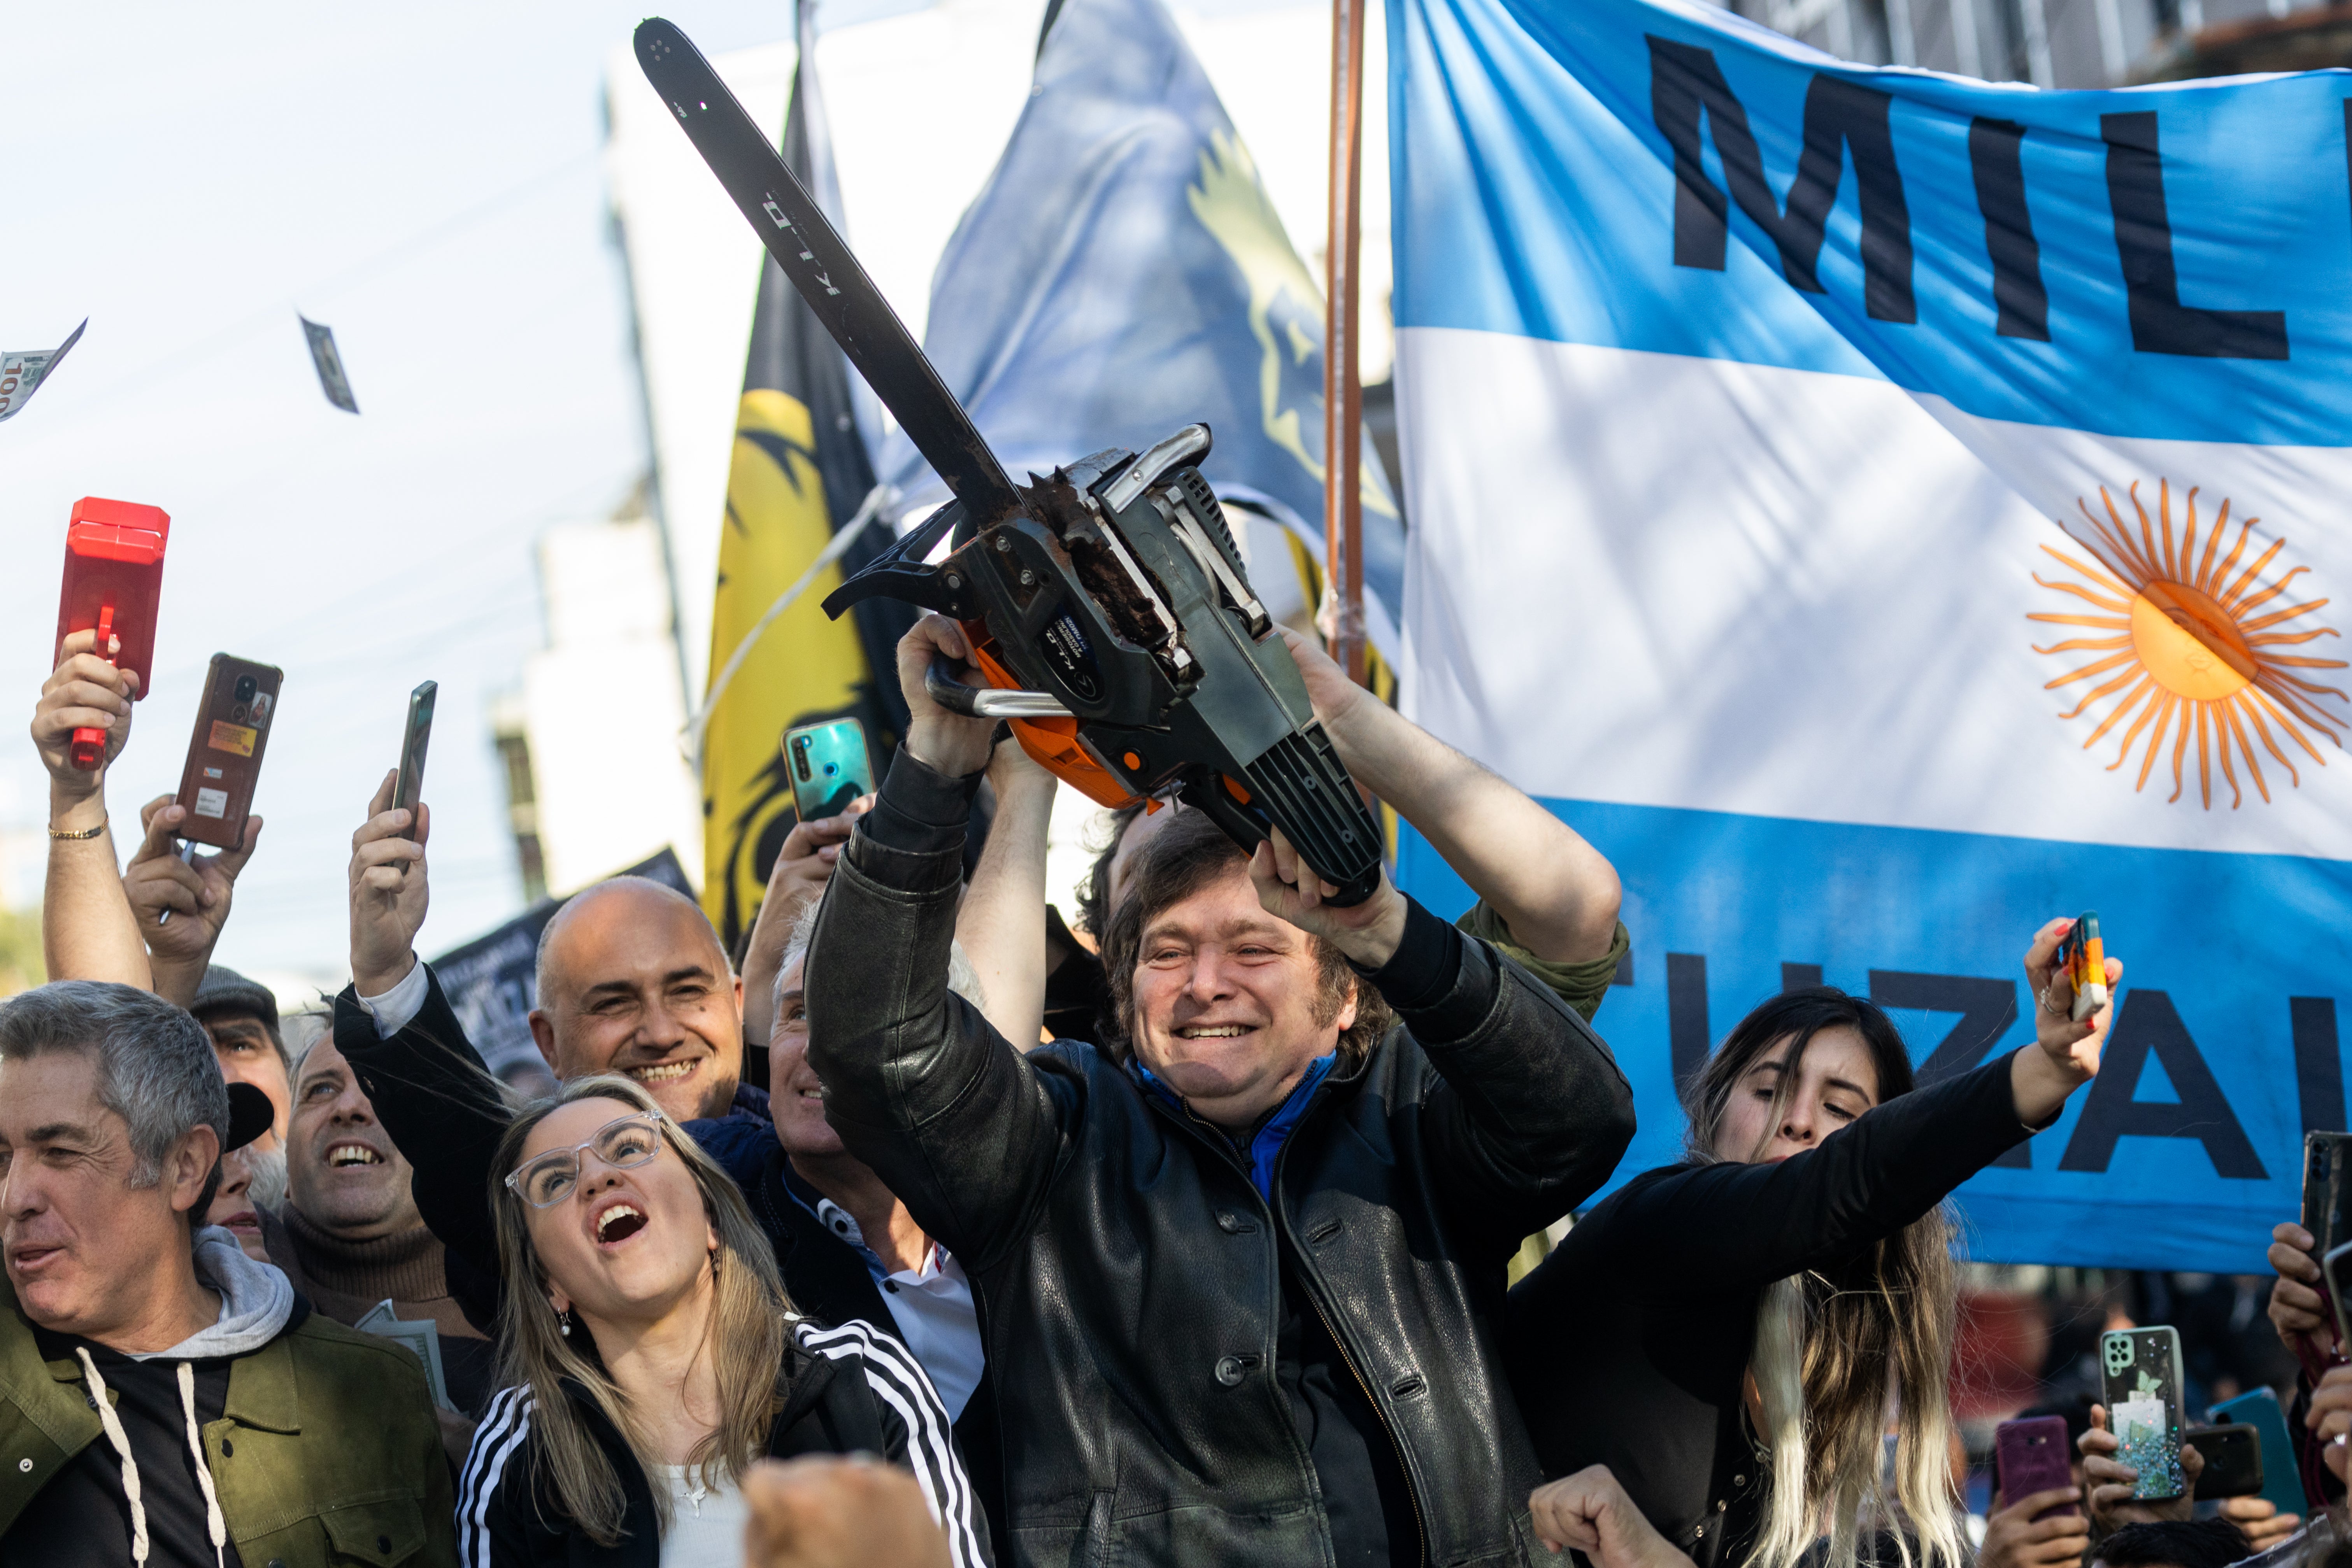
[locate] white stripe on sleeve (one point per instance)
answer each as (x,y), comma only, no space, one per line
(504,1426)
(899,1382)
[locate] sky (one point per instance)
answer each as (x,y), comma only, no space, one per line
(426,180)
(431,183)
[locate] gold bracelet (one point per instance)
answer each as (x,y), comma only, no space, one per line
(83,833)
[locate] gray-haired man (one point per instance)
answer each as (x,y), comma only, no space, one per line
(163,1398)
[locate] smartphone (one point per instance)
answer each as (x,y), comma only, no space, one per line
(412,753)
(2034,1456)
(2233,1460)
(2336,1274)
(113,578)
(829,767)
(2260,1410)
(2085,961)
(232,725)
(2140,1380)
(2326,1162)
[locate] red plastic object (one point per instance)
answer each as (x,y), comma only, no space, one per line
(114,575)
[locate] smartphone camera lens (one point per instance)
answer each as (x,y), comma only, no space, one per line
(246,686)
(799,757)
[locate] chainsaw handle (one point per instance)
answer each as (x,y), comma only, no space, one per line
(1250,826)
(940,684)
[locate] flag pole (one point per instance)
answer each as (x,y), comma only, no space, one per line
(1343,398)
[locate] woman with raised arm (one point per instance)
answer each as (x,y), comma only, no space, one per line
(1724,1334)
(651,1356)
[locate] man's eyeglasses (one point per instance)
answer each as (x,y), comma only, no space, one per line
(622,1142)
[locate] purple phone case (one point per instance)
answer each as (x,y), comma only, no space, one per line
(2030,1457)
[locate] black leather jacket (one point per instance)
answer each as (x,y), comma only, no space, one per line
(1127,1270)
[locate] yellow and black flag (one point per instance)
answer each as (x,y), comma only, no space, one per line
(801,470)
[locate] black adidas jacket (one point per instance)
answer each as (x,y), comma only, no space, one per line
(852,1391)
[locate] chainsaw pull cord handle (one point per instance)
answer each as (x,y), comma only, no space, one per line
(88,749)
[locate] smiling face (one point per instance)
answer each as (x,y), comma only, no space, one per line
(634,982)
(247,1056)
(622,1247)
(1837,1080)
(795,1098)
(84,1249)
(342,1170)
(1226,1002)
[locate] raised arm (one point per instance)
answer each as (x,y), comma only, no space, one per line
(1531,1113)
(429,1086)
(1869,1179)
(804,865)
(1003,922)
(1558,895)
(919,1085)
(86,929)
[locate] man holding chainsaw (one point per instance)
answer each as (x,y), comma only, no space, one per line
(1237,1272)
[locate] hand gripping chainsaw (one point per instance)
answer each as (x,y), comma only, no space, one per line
(1107,603)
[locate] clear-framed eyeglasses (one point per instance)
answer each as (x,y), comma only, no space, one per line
(625,1142)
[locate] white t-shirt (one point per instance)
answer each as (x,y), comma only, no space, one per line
(705,1524)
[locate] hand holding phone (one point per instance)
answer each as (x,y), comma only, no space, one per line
(389,893)
(179,898)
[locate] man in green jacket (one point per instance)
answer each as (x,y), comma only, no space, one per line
(163,1398)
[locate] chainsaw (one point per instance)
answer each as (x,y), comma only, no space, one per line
(1106,603)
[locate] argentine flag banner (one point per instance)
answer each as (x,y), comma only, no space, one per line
(1883,512)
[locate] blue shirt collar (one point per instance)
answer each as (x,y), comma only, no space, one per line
(1265,1144)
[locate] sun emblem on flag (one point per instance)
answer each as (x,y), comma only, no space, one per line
(2193,644)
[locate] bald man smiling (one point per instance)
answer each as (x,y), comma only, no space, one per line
(631,979)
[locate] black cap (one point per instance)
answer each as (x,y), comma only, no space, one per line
(250,1114)
(223,989)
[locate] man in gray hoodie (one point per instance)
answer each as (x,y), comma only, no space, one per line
(163,1398)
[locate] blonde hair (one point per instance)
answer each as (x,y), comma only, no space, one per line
(748,1332)
(1831,1348)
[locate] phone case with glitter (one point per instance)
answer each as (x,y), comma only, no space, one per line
(2140,1372)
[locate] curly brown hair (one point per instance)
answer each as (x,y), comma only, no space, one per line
(1187,855)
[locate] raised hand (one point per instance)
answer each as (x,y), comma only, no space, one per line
(1333,695)
(2067,1053)
(2016,1536)
(388,892)
(2112,1482)
(1287,886)
(197,893)
(2071,1046)
(949,742)
(2298,1310)
(804,865)
(84,692)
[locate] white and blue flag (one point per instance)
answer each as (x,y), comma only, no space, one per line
(1883,512)
(1123,275)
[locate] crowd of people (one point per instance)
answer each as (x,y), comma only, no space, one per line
(1185,1242)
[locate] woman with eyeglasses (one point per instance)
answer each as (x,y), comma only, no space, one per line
(651,1357)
